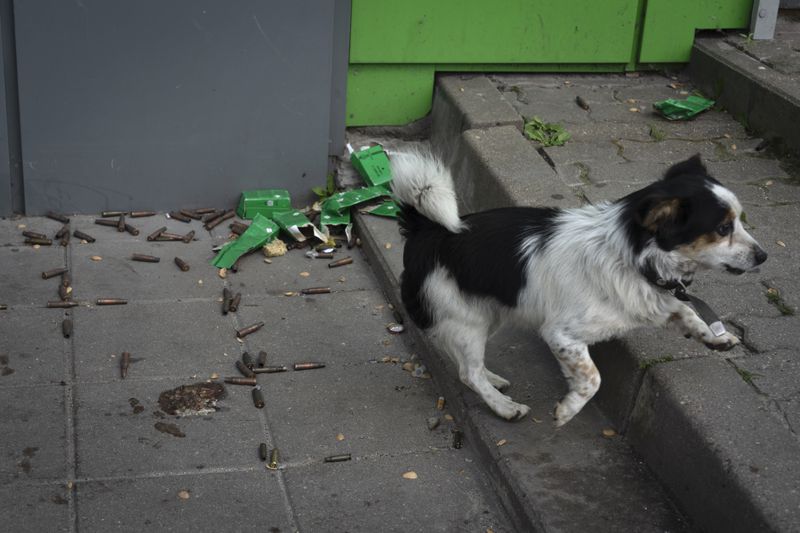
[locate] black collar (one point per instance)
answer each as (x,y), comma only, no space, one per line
(678,285)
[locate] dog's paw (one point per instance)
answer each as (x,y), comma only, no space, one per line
(724,342)
(563,414)
(498,382)
(509,409)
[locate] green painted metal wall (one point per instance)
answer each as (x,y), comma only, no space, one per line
(397,47)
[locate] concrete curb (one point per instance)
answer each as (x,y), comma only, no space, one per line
(761,98)
(676,415)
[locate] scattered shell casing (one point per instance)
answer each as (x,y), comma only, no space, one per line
(34,235)
(114,214)
(458,439)
(212,215)
(263,452)
(106,222)
(235,301)
(247,359)
(188,237)
(270,369)
(338,458)
(140,214)
(262,359)
(316,290)
(66,279)
(308,366)
(145,258)
(63,231)
(40,242)
(156,233)
(341,262)
(440,403)
(62,305)
(121,223)
(396,329)
(242,381)
(258,397)
(273,459)
(205,210)
(124,363)
(323,255)
(189,213)
(65,239)
(66,328)
(57,216)
(235,266)
(183,265)
(63,292)
(78,234)
(246,372)
(3,307)
(583,104)
(213,223)
(131,230)
(111,301)
(226,300)
(47,274)
(244,332)
(238,228)
(179,216)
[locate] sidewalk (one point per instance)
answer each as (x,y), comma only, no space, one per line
(83,450)
(717,431)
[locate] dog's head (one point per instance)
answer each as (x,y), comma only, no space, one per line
(690,213)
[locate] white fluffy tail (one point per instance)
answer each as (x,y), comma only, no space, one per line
(421,181)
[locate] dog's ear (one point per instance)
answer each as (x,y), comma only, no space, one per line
(691,167)
(664,218)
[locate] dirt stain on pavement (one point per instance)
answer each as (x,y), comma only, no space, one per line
(170,429)
(197,399)
(137,407)
(4,369)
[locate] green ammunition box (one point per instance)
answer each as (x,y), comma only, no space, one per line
(265,202)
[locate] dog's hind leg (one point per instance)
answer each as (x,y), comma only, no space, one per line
(582,375)
(466,344)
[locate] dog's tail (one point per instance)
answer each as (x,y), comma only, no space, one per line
(424,188)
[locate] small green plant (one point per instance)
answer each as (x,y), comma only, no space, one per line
(546,133)
(747,376)
(647,363)
(657,134)
(328,190)
(774,297)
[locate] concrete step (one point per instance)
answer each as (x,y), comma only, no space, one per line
(758,82)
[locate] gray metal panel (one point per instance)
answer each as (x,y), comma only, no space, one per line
(156,105)
(341,58)
(5,167)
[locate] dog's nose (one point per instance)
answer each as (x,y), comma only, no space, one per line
(759,254)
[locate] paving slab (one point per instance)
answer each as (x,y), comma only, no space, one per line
(32,350)
(37,508)
(22,281)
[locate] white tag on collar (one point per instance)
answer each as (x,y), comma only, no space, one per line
(717,328)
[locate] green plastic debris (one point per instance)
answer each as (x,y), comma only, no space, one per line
(294,222)
(339,203)
(332,218)
(548,134)
(386,209)
(373,165)
(261,231)
(673,109)
(266,202)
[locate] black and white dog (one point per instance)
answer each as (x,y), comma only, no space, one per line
(577,275)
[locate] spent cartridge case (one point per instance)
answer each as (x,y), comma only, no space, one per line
(63,231)
(83,236)
(262,359)
(111,301)
(66,328)
(124,363)
(47,274)
(316,290)
(110,214)
(341,262)
(458,439)
(66,279)
(183,265)
(248,361)
(212,215)
(106,222)
(258,397)
(57,216)
(583,104)
(308,366)
(269,369)
(140,214)
(65,240)
(121,223)
(238,228)
(263,452)
(130,229)
(40,242)
(205,210)
(189,213)
(273,459)
(338,458)
(246,372)
(188,237)
(179,216)
(226,300)
(62,305)
(242,381)
(211,224)
(243,332)
(145,258)
(166,236)
(235,301)
(156,233)
(64,292)
(34,235)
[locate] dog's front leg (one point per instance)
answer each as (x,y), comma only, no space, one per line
(687,321)
(579,369)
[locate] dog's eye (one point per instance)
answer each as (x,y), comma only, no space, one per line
(725,229)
